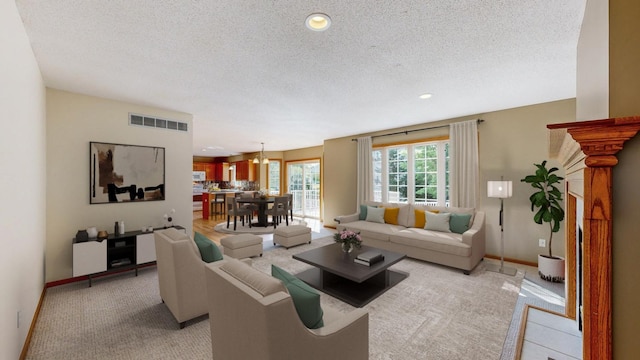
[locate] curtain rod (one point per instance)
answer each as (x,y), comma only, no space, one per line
(406,132)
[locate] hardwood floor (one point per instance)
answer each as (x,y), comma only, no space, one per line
(205,226)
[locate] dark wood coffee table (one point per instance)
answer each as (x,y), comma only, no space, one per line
(335,273)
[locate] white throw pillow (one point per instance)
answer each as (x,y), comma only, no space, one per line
(375,214)
(437,222)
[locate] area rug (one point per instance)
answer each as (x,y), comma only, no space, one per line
(256,230)
(436,313)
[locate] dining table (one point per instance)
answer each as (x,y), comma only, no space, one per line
(262,204)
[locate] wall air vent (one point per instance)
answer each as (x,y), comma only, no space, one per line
(148,121)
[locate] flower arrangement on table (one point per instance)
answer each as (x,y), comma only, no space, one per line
(263,193)
(349,240)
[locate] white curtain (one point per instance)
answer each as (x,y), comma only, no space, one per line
(463,160)
(365,171)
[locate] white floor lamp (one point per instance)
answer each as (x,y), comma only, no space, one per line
(500,189)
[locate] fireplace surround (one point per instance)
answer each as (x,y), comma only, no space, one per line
(588,151)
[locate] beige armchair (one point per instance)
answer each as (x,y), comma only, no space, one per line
(181,275)
(252,316)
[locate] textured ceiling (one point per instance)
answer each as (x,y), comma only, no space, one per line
(251,72)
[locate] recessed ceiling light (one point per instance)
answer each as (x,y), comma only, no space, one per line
(425,96)
(318,22)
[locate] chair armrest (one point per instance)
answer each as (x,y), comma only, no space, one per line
(247,261)
(343,219)
(357,318)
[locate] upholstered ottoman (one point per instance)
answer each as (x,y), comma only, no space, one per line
(293,235)
(242,246)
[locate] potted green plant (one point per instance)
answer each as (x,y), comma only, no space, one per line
(546,203)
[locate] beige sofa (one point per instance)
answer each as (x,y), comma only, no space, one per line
(463,251)
(252,316)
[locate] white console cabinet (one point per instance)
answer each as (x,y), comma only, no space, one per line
(115,253)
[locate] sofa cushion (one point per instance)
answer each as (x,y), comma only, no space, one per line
(453,210)
(260,282)
(305,298)
(391,215)
(363,212)
(375,214)
(437,222)
(404,214)
(445,242)
(209,251)
(369,230)
(419,219)
(459,223)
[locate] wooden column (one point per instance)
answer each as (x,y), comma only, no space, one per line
(599,140)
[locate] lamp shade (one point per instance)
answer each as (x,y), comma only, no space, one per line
(499,189)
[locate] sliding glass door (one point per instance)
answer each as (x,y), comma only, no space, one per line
(303,181)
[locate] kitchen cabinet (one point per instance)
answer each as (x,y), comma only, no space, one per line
(222,171)
(210,170)
(198,166)
(245,170)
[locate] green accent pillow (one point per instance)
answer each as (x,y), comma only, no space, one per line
(305,298)
(363,212)
(459,223)
(209,251)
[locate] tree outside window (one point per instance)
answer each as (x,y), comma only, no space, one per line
(415,173)
(274,177)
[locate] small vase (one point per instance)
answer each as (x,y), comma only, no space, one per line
(346,247)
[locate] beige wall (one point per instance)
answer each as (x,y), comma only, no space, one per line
(22,182)
(592,78)
(616,20)
(624,58)
(624,92)
(73,121)
(510,142)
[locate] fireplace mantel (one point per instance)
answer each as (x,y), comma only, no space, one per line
(588,151)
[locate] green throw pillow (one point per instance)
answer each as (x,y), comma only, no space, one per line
(459,223)
(209,251)
(363,212)
(305,298)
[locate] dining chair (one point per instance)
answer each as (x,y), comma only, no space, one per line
(219,203)
(251,207)
(234,210)
(280,208)
(290,204)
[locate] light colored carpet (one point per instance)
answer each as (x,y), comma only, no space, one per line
(256,230)
(436,313)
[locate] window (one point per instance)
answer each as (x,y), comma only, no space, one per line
(273,180)
(412,173)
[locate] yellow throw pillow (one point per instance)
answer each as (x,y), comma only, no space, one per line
(421,219)
(391,215)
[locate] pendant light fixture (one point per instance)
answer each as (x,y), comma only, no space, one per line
(262,158)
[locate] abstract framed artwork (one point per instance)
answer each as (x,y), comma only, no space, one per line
(125,173)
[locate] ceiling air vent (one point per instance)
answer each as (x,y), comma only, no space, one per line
(148,121)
